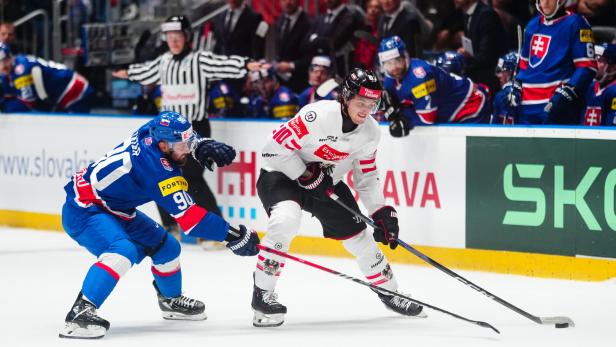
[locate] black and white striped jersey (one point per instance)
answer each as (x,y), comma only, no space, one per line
(184,81)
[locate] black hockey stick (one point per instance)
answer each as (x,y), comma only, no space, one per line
(376,288)
(558,322)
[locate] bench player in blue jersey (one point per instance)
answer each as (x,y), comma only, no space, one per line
(100,214)
(600,97)
(271,99)
(45,85)
(502,112)
(557,64)
(427,94)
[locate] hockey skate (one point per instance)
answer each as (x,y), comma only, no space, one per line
(268,311)
(180,307)
(402,306)
(82,322)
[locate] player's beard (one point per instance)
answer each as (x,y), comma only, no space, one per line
(181,162)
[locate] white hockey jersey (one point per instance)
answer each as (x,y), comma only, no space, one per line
(315,135)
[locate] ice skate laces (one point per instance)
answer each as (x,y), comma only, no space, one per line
(270,298)
(400,302)
(184,302)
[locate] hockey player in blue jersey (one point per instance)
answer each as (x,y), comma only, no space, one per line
(223,101)
(319,73)
(427,94)
(502,112)
(100,214)
(451,61)
(601,94)
(556,66)
(270,99)
(45,85)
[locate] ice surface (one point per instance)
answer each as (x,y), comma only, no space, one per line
(42,273)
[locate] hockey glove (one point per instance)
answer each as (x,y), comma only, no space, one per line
(207,151)
(316,181)
(513,90)
(246,243)
(399,126)
(562,102)
(386,218)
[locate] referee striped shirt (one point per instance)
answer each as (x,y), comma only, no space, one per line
(184,82)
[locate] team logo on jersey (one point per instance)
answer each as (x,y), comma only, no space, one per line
(592,116)
(330,154)
(164,122)
(419,72)
(539,46)
(284,97)
(310,116)
(224,89)
(166,165)
(148,141)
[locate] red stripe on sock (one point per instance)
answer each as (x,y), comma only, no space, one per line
(109,270)
(164,274)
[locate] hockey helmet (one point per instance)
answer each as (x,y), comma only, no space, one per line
(451,61)
(606,51)
(506,63)
(176,23)
(5,51)
(390,48)
(362,83)
(322,61)
(173,128)
(559,4)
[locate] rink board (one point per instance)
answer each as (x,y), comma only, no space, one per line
(533,201)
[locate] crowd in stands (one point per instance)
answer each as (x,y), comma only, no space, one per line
(305,53)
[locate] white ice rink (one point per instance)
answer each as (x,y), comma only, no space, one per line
(42,273)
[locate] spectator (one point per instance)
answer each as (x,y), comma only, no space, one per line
(557,64)
(398,21)
(601,94)
(270,98)
(366,48)
(337,26)
(510,22)
(45,85)
(485,41)
(240,31)
(7,35)
(291,29)
(598,12)
(319,72)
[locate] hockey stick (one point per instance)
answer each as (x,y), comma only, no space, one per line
(517,65)
(371,286)
(558,322)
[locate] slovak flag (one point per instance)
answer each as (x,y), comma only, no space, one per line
(539,46)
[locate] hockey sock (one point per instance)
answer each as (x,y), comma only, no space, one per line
(103,277)
(268,271)
(168,279)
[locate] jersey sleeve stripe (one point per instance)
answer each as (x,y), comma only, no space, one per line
(191,217)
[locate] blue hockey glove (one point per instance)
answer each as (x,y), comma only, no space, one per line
(207,151)
(316,181)
(562,102)
(386,218)
(513,90)
(246,243)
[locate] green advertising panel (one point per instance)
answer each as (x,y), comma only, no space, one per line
(540,195)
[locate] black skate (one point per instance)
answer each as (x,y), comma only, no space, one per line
(268,311)
(82,322)
(180,307)
(402,306)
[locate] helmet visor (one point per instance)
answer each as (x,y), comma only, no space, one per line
(365,104)
(184,146)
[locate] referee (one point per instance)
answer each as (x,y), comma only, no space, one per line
(183,76)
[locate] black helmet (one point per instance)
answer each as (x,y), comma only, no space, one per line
(176,23)
(363,83)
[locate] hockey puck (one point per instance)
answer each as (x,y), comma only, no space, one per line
(562,325)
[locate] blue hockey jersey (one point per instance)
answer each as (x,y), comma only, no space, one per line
(8,100)
(600,105)
(554,52)
(502,113)
(284,104)
(223,100)
(136,172)
(55,88)
(429,95)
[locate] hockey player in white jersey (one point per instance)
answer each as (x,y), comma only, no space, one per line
(305,159)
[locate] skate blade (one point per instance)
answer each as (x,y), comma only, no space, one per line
(74,331)
(261,319)
(422,314)
(180,316)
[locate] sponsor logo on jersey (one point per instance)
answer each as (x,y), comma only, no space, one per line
(166,164)
(329,138)
(614,104)
(539,46)
(23,81)
(419,72)
(19,69)
(310,116)
(172,185)
(424,89)
(268,155)
(586,36)
(330,154)
(592,116)
(298,127)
